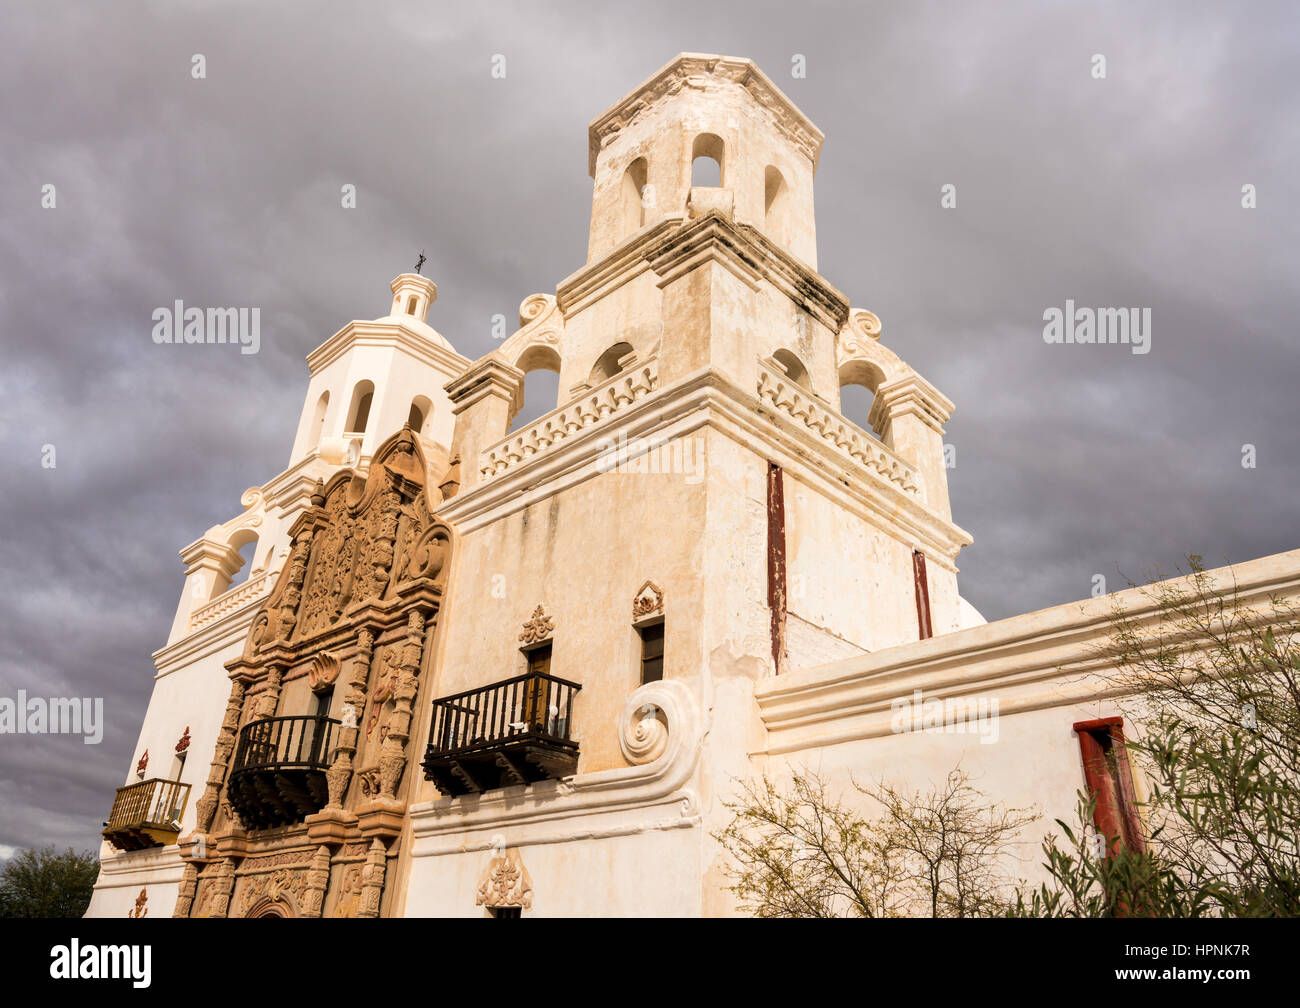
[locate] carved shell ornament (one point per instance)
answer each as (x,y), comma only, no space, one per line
(323,671)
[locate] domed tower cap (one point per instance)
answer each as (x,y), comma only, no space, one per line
(412,295)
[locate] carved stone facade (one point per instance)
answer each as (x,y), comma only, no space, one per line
(361,591)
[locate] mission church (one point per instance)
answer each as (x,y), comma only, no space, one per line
(491,671)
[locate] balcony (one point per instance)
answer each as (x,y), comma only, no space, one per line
(278,774)
(514,732)
(147,814)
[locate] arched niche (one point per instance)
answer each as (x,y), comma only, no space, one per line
(859,381)
(359,411)
(609,363)
(794,368)
(708,161)
(541,394)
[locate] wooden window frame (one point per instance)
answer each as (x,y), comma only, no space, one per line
(1109,776)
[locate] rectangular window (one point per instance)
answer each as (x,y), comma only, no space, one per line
(652,653)
(321,703)
(1110,781)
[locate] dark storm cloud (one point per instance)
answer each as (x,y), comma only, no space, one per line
(1071,461)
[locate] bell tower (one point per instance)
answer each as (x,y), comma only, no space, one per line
(643,148)
(372,377)
(696,269)
(697,449)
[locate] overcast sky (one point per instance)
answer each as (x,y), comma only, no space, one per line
(1071,460)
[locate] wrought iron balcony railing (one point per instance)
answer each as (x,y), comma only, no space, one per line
(278,774)
(518,731)
(146,814)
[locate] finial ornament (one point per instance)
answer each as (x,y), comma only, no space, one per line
(420,263)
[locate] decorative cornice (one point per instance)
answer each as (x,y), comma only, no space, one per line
(911,394)
(700,71)
(752,257)
(711,237)
(589,284)
(708,399)
(394,334)
(488,376)
(1034,661)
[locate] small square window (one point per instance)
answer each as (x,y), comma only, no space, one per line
(652,653)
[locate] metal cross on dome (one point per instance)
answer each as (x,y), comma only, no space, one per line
(419,264)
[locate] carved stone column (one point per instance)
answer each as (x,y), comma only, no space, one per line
(484,398)
(340,773)
(269,701)
(392,758)
(206,807)
(372,885)
(910,414)
(287,612)
(333,824)
(318,881)
(189,885)
(224,886)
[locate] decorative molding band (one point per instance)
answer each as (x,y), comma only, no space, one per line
(576,417)
(629,260)
(489,375)
(125,868)
(850,440)
(1035,661)
(211,638)
(390,335)
(706,399)
(234,598)
(911,395)
(698,71)
(711,237)
(660,735)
